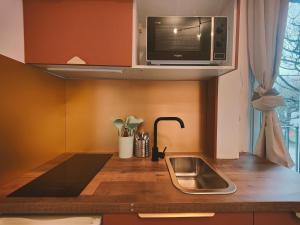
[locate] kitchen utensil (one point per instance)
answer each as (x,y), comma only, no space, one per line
(142,145)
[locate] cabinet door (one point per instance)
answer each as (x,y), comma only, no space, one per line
(276,219)
(218,219)
(97,31)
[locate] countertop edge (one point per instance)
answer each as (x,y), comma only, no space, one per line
(84,208)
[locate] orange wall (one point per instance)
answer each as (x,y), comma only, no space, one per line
(32,117)
(92,105)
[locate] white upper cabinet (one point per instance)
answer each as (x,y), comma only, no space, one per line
(182,8)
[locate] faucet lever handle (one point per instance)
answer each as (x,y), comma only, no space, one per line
(165,149)
(162,154)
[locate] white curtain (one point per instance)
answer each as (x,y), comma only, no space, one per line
(266,27)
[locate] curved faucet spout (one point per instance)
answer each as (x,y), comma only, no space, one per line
(155,152)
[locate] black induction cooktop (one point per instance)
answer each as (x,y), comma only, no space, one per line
(67,179)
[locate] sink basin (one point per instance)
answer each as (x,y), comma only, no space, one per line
(193,175)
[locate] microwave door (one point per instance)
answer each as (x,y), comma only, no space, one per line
(179,40)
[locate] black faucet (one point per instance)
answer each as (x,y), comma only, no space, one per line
(156,154)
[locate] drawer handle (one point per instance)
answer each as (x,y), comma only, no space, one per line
(175,215)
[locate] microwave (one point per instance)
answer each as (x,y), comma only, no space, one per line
(185,40)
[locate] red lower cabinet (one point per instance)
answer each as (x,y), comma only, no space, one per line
(276,219)
(217,219)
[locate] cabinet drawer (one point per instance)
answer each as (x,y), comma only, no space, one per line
(217,219)
(276,218)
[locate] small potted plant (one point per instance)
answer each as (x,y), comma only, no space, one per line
(126,130)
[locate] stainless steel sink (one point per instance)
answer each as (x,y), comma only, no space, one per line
(193,175)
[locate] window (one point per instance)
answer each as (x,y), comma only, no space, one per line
(288,83)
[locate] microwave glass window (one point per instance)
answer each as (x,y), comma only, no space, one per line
(181,40)
(183,34)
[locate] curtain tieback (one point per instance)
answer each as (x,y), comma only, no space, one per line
(266,100)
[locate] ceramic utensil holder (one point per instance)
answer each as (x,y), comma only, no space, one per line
(125,147)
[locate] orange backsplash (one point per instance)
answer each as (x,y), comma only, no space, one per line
(92,105)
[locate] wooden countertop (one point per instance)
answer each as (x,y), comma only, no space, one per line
(139,185)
